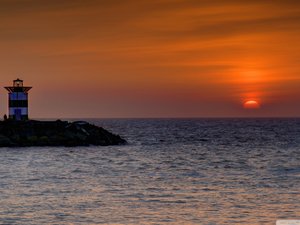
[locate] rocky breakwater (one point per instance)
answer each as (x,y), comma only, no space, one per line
(54,133)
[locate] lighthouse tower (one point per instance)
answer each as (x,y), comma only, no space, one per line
(18,100)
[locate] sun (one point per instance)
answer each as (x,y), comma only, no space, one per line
(251,104)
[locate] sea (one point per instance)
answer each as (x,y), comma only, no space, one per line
(172,171)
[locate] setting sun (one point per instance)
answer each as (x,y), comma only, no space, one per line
(251,104)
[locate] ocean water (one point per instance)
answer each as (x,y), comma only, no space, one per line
(173,171)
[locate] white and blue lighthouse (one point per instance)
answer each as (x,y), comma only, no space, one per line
(18,100)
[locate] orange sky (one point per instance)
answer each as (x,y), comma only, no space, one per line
(152,58)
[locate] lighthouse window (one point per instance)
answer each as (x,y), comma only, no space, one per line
(18,96)
(18,83)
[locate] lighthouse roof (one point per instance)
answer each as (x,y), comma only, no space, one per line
(17,87)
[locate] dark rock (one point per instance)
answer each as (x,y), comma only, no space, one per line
(54,133)
(5,141)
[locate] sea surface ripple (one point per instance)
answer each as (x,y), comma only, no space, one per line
(173,171)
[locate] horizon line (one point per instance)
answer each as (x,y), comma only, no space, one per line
(225,117)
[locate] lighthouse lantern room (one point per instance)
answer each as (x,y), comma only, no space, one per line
(18,100)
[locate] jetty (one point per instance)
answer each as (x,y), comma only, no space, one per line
(54,133)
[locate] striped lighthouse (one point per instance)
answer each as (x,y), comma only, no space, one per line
(18,100)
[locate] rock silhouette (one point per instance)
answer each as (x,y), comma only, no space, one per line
(54,133)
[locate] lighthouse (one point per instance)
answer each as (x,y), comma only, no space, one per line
(18,100)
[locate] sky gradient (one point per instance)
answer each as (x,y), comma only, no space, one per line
(153,58)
